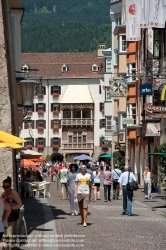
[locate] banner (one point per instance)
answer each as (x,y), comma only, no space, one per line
(102,86)
(142,13)
(132,30)
(118,87)
(157,13)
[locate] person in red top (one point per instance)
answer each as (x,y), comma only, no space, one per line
(52,172)
(59,166)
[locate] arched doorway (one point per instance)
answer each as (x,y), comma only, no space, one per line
(56,157)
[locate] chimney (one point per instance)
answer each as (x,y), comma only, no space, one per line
(101,47)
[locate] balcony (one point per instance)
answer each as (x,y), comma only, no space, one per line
(40,128)
(55,146)
(40,112)
(28,147)
(104,147)
(75,122)
(40,146)
(78,146)
(55,112)
(40,95)
(55,95)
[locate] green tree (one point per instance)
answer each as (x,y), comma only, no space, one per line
(119,158)
(47,158)
(162,165)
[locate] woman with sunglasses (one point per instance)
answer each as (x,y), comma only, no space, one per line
(10,195)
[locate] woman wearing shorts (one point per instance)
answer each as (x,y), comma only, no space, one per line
(96,183)
(63,180)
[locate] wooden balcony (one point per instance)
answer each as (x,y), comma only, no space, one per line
(78,146)
(75,122)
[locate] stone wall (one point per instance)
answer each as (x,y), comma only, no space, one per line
(6,168)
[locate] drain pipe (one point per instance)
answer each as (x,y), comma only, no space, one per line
(11,81)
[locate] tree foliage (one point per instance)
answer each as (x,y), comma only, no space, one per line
(65,26)
(119,158)
(162,165)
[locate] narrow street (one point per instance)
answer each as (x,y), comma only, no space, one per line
(107,228)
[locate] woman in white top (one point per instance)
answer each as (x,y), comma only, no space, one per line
(71,176)
(96,183)
(63,180)
(147,183)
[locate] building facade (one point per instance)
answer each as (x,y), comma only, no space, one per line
(68,116)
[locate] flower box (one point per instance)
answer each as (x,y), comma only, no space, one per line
(19,128)
(40,128)
(55,94)
(29,112)
(102,111)
(55,112)
(28,146)
(40,95)
(55,129)
(55,146)
(40,146)
(105,147)
(40,112)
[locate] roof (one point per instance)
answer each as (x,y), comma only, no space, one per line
(77,93)
(49,64)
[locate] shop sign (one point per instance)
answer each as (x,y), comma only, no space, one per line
(128,121)
(146,89)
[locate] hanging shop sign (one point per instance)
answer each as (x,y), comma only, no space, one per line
(146,89)
(128,121)
(118,87)
(151,108)
(152,129)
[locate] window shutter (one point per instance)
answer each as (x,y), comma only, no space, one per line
(51,141)
(101,123)
(59,139)
(44,90)
(51,106)
(101,106)
(44,142)
(44,124)
(99,89)
(32,142)
(36,142)
(51,90)
(51,123)
(44,107)
(33,106)
(59,107)
(36,107)
(59,124)
(59,90)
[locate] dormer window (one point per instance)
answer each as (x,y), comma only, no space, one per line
(64,68)
(94,68)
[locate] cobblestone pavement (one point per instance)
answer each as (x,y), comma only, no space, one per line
(107,228)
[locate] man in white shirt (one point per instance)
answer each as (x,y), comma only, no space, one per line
(127,195)
(82,191)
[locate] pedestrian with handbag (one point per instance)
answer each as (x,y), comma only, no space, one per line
(116,173)
(125,179)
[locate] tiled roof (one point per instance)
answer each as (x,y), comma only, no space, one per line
(77,93)
(78,64)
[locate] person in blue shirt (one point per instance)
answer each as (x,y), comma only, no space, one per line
(127,195)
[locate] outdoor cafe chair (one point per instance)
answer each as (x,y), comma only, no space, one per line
(44,188)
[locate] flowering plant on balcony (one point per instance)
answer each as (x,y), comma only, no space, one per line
(55,112)
(40,128)
(102,111)
(55,94)
(29,112)
(40,95)
(19,128)
(55,146)
(105,147)
(39,146)
(55,129)
(28,146)
(40,112)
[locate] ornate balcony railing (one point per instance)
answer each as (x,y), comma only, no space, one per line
(78,146)
(77,122)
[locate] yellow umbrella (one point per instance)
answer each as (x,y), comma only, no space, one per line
(5,137)
(10,145)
